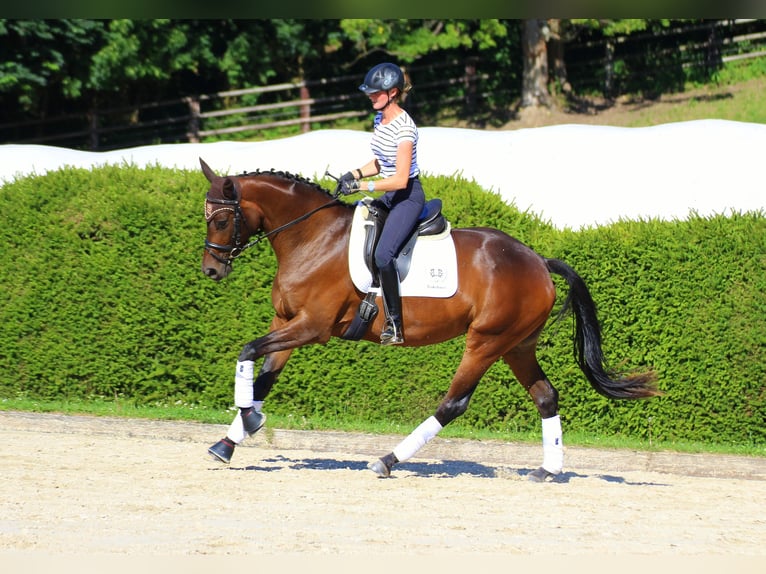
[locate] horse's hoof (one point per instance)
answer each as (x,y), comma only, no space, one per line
(380,468)
(222,451)
(541,475)
(252,421)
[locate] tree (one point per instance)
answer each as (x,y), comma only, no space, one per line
(534,89)
(557,64)
(543,44)
(432,47)
(407,40)
(44,64)
(144,60)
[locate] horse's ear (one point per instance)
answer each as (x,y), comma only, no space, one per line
(209,173)
(229,189)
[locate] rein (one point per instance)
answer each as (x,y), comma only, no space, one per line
(235,250)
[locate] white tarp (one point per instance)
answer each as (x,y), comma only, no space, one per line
(570,175)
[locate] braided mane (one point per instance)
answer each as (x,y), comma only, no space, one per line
(290,177)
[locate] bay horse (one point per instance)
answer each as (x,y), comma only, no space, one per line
(505,295)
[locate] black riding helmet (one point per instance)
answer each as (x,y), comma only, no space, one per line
(382,78)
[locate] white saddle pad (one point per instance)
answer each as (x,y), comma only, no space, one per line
(433,272)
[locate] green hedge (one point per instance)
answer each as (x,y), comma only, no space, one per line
(104,297)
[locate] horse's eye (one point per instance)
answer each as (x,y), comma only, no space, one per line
(221,224)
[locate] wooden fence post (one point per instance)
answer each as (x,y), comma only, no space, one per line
(609,69)
(305,109)
(469,84)
(93,128)
(192,129)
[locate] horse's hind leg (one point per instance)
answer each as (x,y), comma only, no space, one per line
(455,402)
(525,367)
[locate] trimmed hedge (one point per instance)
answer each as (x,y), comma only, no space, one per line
(104,297)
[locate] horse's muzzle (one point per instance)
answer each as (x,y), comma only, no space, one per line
(214,269)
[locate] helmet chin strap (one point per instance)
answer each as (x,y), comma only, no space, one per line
(388,103)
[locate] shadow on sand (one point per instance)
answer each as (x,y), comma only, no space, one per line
(436,469)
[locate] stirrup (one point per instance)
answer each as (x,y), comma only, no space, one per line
(391,335)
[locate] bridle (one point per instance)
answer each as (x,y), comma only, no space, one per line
(236,248)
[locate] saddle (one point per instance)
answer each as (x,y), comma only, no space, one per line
(430,222)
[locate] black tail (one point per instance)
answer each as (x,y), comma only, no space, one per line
(587,343)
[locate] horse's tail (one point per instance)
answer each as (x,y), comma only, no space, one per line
(587,343)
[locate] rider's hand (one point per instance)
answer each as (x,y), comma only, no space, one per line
(348,184)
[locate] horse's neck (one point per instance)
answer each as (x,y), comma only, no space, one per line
(278,201)
(294,214)
(306,248)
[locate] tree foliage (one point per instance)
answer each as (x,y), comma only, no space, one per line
(43,61)
(69,66)
(408,40)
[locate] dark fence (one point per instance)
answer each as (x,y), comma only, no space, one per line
(609,66)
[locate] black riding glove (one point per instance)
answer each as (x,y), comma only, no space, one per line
(348,184)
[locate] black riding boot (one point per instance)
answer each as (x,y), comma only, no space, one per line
(392,302)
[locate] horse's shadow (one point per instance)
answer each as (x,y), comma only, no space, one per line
(437,469)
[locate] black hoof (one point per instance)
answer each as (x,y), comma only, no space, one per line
(541,475)
(380,468)
(252,421)
(222,450)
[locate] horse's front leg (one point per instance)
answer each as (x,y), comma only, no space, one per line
(250,392)
(249,397)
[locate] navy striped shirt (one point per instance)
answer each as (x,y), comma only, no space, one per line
(386,139)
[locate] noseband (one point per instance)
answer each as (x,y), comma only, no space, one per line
(236,248)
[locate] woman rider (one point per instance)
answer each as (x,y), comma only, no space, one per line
(394,146)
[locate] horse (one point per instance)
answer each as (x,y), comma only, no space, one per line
(505,294)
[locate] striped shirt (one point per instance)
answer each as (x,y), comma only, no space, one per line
(386,139)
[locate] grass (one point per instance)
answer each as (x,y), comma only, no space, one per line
(199,414)
(745,102)
(738,94)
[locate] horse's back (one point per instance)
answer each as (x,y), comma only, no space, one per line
(493,249)
(499,269)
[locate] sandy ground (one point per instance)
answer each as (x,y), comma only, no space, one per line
(91,486)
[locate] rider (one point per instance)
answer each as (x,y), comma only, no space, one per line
(394,147)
